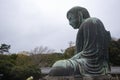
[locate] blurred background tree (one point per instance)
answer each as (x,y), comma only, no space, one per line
(114,52)
(4,48)
(18,67)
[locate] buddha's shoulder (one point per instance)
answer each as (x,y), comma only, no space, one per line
(92,20)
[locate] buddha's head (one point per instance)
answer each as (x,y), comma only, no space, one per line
(76,16)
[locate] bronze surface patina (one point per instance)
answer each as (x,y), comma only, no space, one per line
(91,57)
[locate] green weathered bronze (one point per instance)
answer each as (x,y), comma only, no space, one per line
(91,58)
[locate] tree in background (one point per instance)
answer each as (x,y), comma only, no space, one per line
(41,50)
(4,48)
(6,63)
(18,67)
(35,53)
(70,51)
(114,52)
(47,60)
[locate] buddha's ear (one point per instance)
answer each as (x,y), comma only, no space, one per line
(80,15)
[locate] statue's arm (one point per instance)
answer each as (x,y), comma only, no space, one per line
(79,44)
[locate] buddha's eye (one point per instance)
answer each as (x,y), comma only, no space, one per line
(71,17)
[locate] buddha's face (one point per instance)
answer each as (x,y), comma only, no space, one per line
(74,20)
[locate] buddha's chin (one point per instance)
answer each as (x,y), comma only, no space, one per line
(75,27)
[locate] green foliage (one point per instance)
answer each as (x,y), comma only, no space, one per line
(18,67)
(46,60)
(69,52)
(13,56)
(114,52)
(23,60)
(23,72)
(5,68)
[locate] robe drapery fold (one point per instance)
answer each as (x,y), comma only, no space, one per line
(91,56)
(92,47)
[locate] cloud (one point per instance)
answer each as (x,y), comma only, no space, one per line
(26,24)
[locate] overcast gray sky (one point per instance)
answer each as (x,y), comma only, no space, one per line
(26,24)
